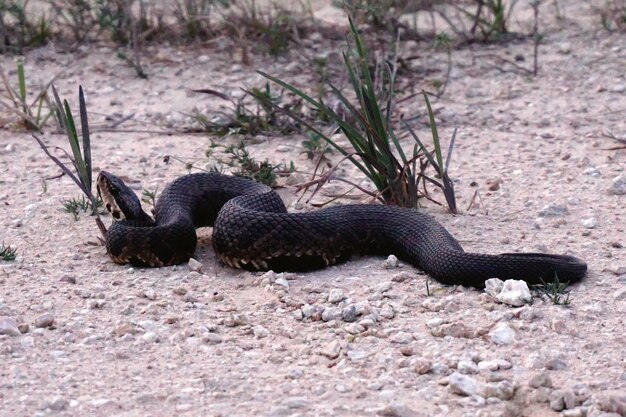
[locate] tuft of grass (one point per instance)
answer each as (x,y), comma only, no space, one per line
(554,291)
(7,253)
(81,169)
(259,116)
(30,115)
(238,157)
(75,206)
(149,196)
(134,62)
(375,148)
(315,146)
(612,15)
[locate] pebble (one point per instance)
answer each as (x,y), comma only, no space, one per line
(502,334)
(515,293)
(422,366)
(618,185)
(401,338)
(503,390)
(260,332)
(149,294)
(58,403)
(331,313)
(150,337)
(590,223)
(540,380)
(331,350)
(463,384)
(349,314)
(493,286)
(8,326)
(620,295)
(336,295)
(44,321)
(212,338)
(494,365)
(454,330)
(467,367)
(391,262)
(397,409)
(553,210)
(194,265)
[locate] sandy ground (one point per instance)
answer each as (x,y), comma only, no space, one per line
(360,338)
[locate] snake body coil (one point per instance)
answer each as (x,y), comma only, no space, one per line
(253,230)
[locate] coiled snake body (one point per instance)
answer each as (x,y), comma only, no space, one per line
(253,230)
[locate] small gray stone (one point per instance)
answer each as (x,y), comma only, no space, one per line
(503,390)
(540,380)
(194,265)
(58,403)
(618,185)
(307,310)
(46,320)
(8,326)
(556,400)
(331,350)
(149,294)
(212,338)
(336,295)
(398,409)
(401,338)
(467,367)
(553,210)
(260,332)
(502,334)
(620,295)
(349,314)
(463,384)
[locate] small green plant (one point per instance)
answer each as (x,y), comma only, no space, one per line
(21,27)
(149,196)
(375,148)
(238,157)
(315,146)
(33,115)
(81,170)
(554,291)
(134,62)
(249,118)
(7,253)
(613,15)
(75,206)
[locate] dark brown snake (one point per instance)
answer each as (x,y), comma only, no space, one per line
(253,230)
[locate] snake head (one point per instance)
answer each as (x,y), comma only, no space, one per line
(118,199)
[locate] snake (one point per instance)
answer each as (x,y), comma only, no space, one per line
(253,230)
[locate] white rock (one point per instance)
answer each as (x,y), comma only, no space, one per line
(463,384)
(620,295)
(260,332)
(194,265)
(590,223)
(391,262)
(493,286)
(150,337)
(502,334)
(8,326)
(336,295)
(618,185)
(515,293)
(401,338)
(331,350)
(467,367)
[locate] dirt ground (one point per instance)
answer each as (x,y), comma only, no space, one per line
(359,339)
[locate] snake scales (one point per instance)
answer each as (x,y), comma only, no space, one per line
(253,230)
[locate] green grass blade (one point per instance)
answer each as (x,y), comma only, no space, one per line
(58,110)
(435,133)
(72,135)
(22,81)
(84,125)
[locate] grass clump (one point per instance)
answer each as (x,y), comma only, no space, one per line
(28,115)
(7,253)
(253,113)
(613,15)
(375,148)
(554,291)
(238,158)
(80,170)
(75,206)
